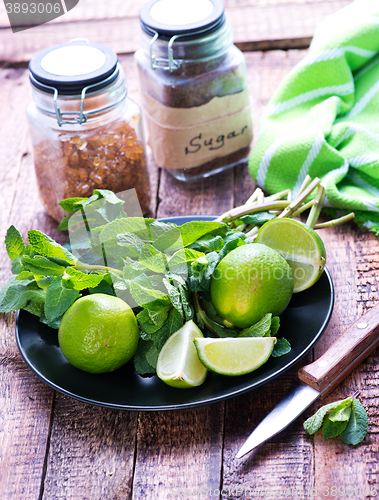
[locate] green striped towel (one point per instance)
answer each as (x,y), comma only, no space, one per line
(323,120)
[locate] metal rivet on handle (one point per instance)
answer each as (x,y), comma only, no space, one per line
(322,363)
(362,325)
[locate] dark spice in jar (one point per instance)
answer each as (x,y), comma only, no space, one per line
(194,90)
(87,133)
(109,158)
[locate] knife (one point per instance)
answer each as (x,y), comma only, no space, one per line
(319,378)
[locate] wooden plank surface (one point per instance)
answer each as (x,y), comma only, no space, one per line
(256,26)
(54,447)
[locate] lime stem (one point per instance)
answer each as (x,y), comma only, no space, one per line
(335,222)
(295,204)
(80,266)
(238,212)
(200,313)
(305,184)
(318,203)
(303,208)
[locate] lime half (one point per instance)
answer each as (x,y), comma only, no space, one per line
(300,245)
(178,364)
(234,356)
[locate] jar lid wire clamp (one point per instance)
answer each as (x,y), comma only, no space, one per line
(171,64)
(81,117)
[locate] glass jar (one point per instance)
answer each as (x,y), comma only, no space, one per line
(86,132)
(193,84)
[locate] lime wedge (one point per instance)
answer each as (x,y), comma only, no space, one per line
(234,356)
(300,245)
(178,364)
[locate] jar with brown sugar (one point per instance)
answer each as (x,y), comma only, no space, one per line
(86,132)
(193,83)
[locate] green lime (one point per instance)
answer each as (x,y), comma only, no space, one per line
(300,245)
(178,363)
(234,356)
(251,281)
(98,333)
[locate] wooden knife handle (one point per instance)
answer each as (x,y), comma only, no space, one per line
(344,355)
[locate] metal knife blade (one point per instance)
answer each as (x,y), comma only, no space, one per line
(320,377)
(297,400)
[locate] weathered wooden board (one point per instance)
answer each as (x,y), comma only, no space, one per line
(91,452)
(60,448)
(256,26)
(25,402)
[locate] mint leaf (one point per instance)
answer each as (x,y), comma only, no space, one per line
(14,243)
(153,259)
(281,348)
(53,323)
(147,324)
(72,278)
(258,329)
(256,219)
(187,307)
(36,304)
(231,245)
(16,294)
(42,266)
(178,263)
(208,243)
(342,412)
(275,324)
(175,296)
(146,296)
(158,317)
(103,287)
(58,299)
(157,228)
(72,205)
(182,236)
(132,268)
(331,429)
(46,246)
(357,426)
(141,363)
(171,325)
(313,423)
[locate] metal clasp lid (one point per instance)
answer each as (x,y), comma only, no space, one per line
(161,62)
(80,117)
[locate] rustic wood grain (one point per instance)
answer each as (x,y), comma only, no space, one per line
(354,270)
(278,467)
(91,453)
(179,453)
(25,402)
(348,351)
(255,27)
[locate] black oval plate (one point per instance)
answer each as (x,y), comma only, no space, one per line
(302,323)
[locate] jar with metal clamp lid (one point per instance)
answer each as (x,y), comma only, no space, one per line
(193,84)
(86,132)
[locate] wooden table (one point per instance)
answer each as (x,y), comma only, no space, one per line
(53,447)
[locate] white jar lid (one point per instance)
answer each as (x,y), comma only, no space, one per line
(182,17)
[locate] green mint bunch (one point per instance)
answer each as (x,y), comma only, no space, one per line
(346,418)
(162,270)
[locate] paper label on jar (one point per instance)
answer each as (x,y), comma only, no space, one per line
(188,137)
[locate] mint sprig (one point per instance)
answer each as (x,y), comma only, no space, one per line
(155,267)
(346,418)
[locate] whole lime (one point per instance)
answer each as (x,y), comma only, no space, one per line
(98,333)
(249,282)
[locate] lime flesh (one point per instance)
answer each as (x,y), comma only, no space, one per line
(300,246)
(234,356)
(178,364)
